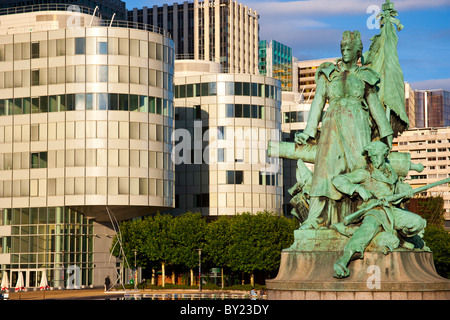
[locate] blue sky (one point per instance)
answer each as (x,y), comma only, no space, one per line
(313,29)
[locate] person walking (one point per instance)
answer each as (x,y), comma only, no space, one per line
(107,283)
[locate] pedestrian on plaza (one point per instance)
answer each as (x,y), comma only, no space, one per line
(107,283)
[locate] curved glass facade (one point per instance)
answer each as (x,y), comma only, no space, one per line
(229,120)
(86,116)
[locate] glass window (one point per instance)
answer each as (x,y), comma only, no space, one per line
(43,104)
(212,89)
(205,89)
(60,47)
(238,110)
(134,102)
(102,46)
(254,89)
(80,45)
(17,107)
(143,103)
(53,105)
(229,110)
(254,111)
(230,177)
(102,101)
(34,77)
(229,88)
(38,160)
(152,104)
(238,88)
(246,89)
(113,101)
(79,101)
(221,155)
(26,105)
(102,73)
(123,102)
(35,50)
(90,101)
(246,110)
(70,102)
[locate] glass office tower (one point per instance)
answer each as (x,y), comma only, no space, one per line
(86,116)
(275,60)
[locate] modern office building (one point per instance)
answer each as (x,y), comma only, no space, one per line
(432,108)
(275,60)
(223,31)
(410,105)
(223,125)
(86,116)
(106,8)
(306,77)
(431,147)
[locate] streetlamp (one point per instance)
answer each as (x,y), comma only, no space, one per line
(135,269)
(199,270)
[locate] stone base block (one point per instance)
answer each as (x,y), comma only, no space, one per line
(356,295)
(308,274)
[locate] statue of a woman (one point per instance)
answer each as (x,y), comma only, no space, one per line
(353,119)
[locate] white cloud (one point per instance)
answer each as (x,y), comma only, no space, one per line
(431,84)
(322,8)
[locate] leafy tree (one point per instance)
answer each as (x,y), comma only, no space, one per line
(132,238)
(188,234)
(438,239)
(158,246)
(435,237)
(257,241)
(218,241)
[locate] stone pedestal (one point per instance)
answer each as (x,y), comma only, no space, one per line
(306,272)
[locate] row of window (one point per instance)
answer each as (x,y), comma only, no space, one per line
(404,143)
(237,177)
(224,200)
(430,176)
(44,215)
(86,157)
(227,89)
(86,101)
(295,116)
(86,130)
(86,73)
(86,45)
(85,186)
(244,111)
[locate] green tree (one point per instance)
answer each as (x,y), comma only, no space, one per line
(188,234)
(218,241)
(158,245)
(257,241)
(131,238)
(438,240)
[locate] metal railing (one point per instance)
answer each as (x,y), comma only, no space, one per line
(70,8)
(48,7)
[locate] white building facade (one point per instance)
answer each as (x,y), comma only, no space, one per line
(86,115)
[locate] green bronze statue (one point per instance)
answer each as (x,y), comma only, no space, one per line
(347,127)
(375,185)
(357,185)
